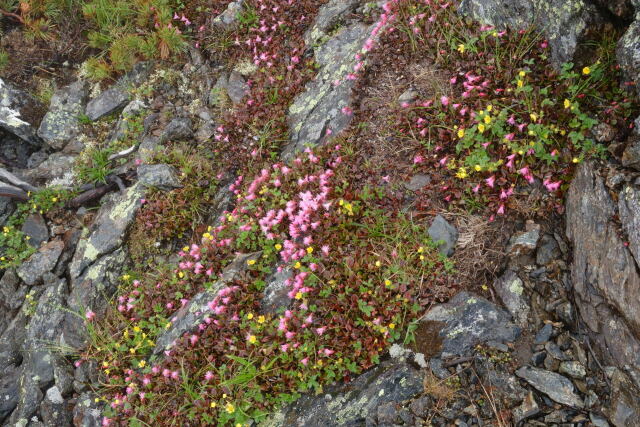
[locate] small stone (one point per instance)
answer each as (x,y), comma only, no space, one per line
(557,387)
(387,413)
(598,420)
(544,334)
(631,155)
(43,261)
(553,350)
(177,129)
(548,250)
(523,243)
(61,124)
(163,177)
(437,367)
(510,289)
(551,364)
(537,359)
(229,18)
(237,88)
(421,406)
(442,231)
(528,409)
(35,227)
(603,132)
(408,96)
(417,182)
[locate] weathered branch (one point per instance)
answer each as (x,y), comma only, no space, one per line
(10,191)
(14,180)
(12,15)
(91,195)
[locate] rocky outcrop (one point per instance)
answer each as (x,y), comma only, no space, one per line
(61,123)
(357,403)
(323,108)
(117,96)
(604,272)
(17,109)
(565,24)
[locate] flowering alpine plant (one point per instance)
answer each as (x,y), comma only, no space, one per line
(357,275)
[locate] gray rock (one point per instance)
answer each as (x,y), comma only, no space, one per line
(6,209)
(228,19)
(37,158)
(468,320)
(163,177)
(148,147)
(628,52)
(117,96)
(63,375)
(441,231)
(557,387)
(528,409)
(631,154)
(388,413)
(237,88)
(61,122)
(41,262)
(57,166)
(544,334)
(53,409)
(417,182)
(603,132)
(275,292)
(510,289)
(525,242)
(11,292)
(554,351)
(421,406)
(604,272)
(624,405)
(16,109)
(197,310)
(598,420)
(352,403)
(8,393)
(29,398)
(320,106)
(177,129)
(35,227)
(87,413)
(548,250)
(564,24)
(329,15)
(408,96)
(132,110)
(573,369)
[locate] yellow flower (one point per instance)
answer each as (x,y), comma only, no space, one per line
(522,74)
(298,265)
(421,257)
(586,71)
(461,48)
(278,246)
(378,263)
(392,325)
(520,83)
(481,128)
(132,350)
(487,119)
(136,329)
(181,274)
(125,277)
(489,107)
(185,249)
(105,364)
(387,282)
(299,295)
(230,408)
(575,160)
(213,404)
(252,339)
(461,133)
(261,319)
(309,250)
(141,364)
(420,249)
(54,199)
(250,316)
(478,168)
(462,173)
(534,117)
(567,103)
(251,262)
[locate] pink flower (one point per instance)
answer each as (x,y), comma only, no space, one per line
(444,100)
(552,186)
(284,348)
(208,376)
(321,330)
(501,210)
(418,159)
(305,361)
(490,181)
(347,111)
(89,315)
